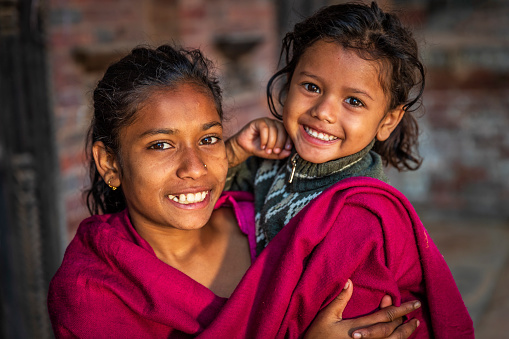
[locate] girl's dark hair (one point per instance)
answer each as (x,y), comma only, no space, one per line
(375,36)
(119,95)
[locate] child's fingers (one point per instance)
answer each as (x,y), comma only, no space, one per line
(281,139)
(288,143)
(272,137)
(264,132)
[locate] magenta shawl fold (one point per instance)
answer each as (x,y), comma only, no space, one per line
(111,283)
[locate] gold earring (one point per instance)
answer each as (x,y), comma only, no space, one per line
(112,187)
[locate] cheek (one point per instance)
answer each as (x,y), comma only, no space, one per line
(287,118)
(143,176)
(218,163)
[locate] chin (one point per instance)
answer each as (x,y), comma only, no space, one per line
(313,157)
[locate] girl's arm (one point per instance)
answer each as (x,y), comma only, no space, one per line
(264,138)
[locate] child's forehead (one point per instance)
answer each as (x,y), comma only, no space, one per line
(380,66)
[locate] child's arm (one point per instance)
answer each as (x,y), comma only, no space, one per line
(264,138)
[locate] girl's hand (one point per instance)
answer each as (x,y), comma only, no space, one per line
(264,137)
(386,323)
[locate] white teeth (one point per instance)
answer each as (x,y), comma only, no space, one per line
(319,135)
(189,198)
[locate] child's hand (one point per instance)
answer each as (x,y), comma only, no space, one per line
(386,323)
(264,137)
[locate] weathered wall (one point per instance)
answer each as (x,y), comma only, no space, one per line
(464,141)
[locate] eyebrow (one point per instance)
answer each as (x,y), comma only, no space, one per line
(173,131)
(358,91)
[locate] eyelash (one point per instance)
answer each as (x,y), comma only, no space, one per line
(306,86)
(155,145)
(211,136)
(360,103)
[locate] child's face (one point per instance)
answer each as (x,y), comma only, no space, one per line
(335,105)
(163,154)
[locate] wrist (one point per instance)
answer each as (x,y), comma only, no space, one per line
(235,153)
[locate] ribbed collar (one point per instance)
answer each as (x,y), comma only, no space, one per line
(309,176)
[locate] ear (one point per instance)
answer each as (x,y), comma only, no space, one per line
(107,164)
(389,123)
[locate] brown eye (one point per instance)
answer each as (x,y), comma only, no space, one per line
(310,87)
(160,146)
(210,140)
(354,102)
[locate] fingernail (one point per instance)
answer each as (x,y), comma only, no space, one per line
(289,146)
(417,304)
(418,322)
(263,147)
(357,335)
(277,150)
(346,286)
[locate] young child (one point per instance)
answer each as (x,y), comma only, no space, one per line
(350,82)
(164,251)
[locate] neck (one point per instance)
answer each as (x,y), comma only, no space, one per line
(176,247)
(215,255)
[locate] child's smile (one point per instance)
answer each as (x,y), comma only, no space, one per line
(319,135)
(335,105)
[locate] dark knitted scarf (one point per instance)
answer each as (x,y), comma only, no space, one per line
(277,200)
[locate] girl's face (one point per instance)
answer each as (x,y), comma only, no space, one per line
(163,156)
(335,105)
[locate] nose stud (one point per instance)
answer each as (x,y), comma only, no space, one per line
(205,165)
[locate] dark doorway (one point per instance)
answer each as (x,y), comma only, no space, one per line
(30,222)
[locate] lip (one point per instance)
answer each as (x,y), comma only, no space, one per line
(314,140)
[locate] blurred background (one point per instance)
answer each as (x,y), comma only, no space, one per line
(52,53)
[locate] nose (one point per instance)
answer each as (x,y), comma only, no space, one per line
(191,165)
(327,109)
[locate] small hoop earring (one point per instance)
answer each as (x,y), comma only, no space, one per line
(112,187)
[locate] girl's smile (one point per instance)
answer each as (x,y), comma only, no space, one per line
(189,198)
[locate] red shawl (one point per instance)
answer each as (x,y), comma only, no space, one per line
(112,285)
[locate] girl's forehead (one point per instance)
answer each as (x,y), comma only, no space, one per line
(179,109)
(176,99)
